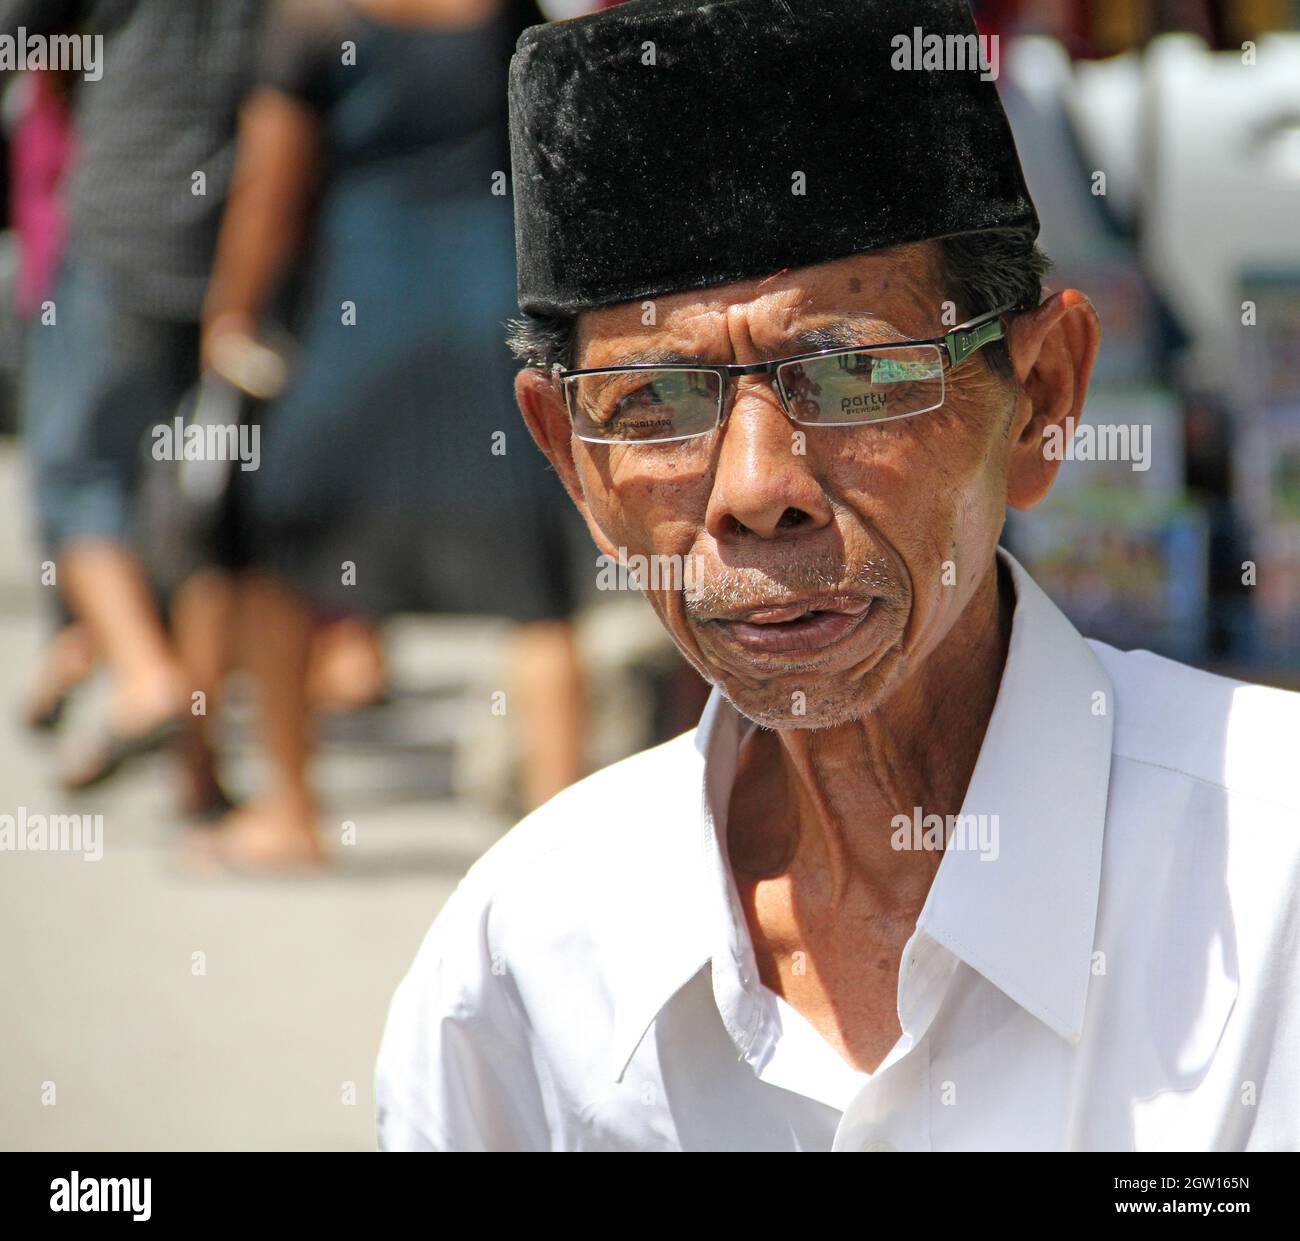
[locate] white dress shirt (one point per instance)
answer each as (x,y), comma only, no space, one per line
(1124,974)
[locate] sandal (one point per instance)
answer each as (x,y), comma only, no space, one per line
(117,750)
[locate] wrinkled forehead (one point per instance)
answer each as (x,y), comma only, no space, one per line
(884,295)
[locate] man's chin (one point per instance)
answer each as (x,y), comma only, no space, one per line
(812,701)
(784,720)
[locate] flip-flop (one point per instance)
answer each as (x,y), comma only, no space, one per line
(116,751)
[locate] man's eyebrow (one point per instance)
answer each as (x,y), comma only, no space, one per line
(842,333)
(659,357)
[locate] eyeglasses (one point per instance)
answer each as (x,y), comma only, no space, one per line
(653,403)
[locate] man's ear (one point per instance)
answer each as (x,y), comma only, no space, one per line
(1053,349)
(542,404)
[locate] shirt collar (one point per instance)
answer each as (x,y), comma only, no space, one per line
(1024,921)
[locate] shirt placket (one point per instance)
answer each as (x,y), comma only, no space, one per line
(892,1111)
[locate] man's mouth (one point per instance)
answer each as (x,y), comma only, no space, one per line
(796,626)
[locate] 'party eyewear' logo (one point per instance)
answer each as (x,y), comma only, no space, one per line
(866,402)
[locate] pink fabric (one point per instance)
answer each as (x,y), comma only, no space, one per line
(40,153)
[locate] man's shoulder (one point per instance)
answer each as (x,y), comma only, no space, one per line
(1214,730)
(580,865)
(568,915)
(1201,861)
(573,884)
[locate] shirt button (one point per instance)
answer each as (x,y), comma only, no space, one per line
(879,1144)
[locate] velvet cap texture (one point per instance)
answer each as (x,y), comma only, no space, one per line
(656,146)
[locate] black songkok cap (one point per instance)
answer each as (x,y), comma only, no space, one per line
(655,145)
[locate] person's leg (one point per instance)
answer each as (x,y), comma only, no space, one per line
(550,707)
(203,619)
(97,378)
(65,661)
(106,588)
(277,629)
(348,669)
(277,828)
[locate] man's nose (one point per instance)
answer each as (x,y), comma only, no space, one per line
(764,482)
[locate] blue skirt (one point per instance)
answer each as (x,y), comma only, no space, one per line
(397,447)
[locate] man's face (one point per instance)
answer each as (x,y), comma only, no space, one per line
(824,562)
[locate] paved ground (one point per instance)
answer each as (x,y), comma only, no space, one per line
(109,1037)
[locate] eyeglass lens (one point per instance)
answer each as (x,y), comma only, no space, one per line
(846,389)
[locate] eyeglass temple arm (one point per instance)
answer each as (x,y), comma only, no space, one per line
(962,341)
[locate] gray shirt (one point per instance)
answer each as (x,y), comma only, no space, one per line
(163,110)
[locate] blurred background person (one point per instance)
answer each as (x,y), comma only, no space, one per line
(154,149)
(38,116)
(371,205)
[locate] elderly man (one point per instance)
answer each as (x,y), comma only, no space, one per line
(933,872)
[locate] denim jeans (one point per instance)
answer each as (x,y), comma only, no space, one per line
(96,380)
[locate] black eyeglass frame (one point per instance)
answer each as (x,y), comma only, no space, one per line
(958,345)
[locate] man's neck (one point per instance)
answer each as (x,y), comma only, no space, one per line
(818,805)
